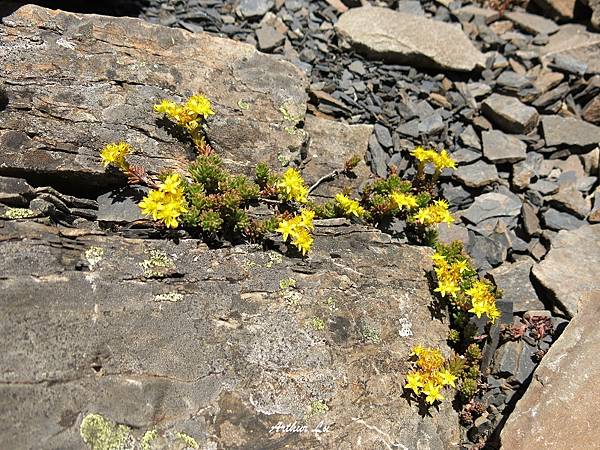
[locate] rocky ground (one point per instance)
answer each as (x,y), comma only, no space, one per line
(514,97)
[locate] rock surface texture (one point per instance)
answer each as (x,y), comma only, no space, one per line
(75,83)
(406,38)
(581,248)
(559,408)
(228,345)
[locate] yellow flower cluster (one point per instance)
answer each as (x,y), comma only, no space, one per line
(167,203)
(404,201)
(188,115)
(434,214)
(298,228)
(483,300)
(430,375)
(291,186)
(440,160)
(114,154)
(349,206)
(453,278)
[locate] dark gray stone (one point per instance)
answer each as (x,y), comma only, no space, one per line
(411,7)
(465,156)
(485,252)
(254,8)
(531,222)
(383,135)
(14,191)
(514,280)
(121,205)
(476,175)
(509,114)
(431,125)
(492,205)
(502,148)
(377,157)
(558,220)
(571,200)
(532,23)
(544,187)
(469,138)
(506,359)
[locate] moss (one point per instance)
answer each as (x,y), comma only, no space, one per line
(157,264)
(103,434)
(19,213)
(169,297)
(147,438)
(93,256)
(189,441)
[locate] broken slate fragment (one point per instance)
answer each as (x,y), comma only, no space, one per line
(254,8)
(490,205)
(509,114)
(558,220)
(502,148)
(516,285)
(569,131)
(121,205)
(532,23)
(476,175)
(269,38)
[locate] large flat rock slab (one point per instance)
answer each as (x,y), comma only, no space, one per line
(559,408)
(78,82)
(569,269)
(221,344)
(409,39)
(574,41)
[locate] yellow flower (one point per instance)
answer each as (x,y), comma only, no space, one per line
(303,240)
(433,393)
(479,308)
(438,259)
(349,206)
(421,154)
(443,160)
(414,382)
(291,186)
(306,218)
(167,203)
(171,184)
(199,105)
(166,107)
(114,154)
(461,265)
(446,378)
(286,228)
(430,359)
(402,200)
(446,287)
(434,214)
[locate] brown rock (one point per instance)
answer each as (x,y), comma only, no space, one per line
(591,111)
(563,9)
(559,408)
(575,41)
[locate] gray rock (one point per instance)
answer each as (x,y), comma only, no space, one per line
(411,7)
(594,216)
(449,233)
(506,359)
(566,63)
(544,187)
(383,135)
(492,205)
(138,310)
(254,8)
(509,114)
(502,148)
(465,156)
(456,195)
(591,111)
(525,170)
(575,41)
(469,138)
(564,381)
(408,39)
(433,124)
(121,205)
(485,252)
(516,285)
(577,251)
(377,157)
(268,38)
(357,67)
(332,143)
(466,13)
(532,23)
(101,101)
(526,364)
(14,191)
(476,175)
(569,131)
(558,220)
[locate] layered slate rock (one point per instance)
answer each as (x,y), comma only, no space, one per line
(502,148)
(222,344)
(579,252)
(509,114)
(574,41)
(559,408)
(408,39)
(75,83)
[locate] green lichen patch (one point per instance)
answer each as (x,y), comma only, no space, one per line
(318,407)
(100,433)
(93,256)
(243,105)
(157,265)
(316,323)
(147,439)
(370,334)
(189,441)
(19,213)
(287,283)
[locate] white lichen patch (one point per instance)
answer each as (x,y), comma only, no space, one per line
(189,441)
(274,258)
(157,264)
(93,256)
(172,297)
(100,433)
(19,213)
(405,327)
